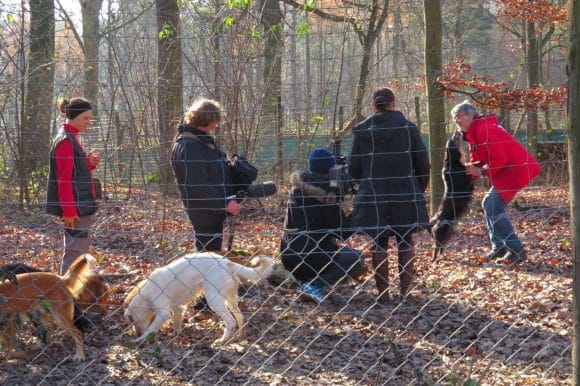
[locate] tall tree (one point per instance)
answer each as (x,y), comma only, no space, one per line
(540,19)
(169,83)
(368,30)
(573,160)
(271,19)
(40,86)
(91,10)
(435,103)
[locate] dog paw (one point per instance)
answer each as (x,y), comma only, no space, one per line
(78,357)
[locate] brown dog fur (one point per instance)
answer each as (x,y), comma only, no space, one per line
(47,296)
(94,296)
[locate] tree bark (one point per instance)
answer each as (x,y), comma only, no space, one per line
(273,26)
(574,171)
(170,84)
(40,86)
(533,75)
(435,104)
(91,10)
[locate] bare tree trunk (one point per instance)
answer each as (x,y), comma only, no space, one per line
(272,21)
(39,88)
(377,19)
(532,59)
(573,160)
(170,84)
(294,103)
(397,39)
(91,10)
(435,105)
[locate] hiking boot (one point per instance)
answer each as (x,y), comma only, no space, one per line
(494,254)
(513,257)
(311,292)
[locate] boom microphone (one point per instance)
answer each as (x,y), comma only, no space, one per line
(265,189)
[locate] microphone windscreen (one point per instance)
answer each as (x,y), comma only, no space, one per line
(262,190)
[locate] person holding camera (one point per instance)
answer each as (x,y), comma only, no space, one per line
(313,225)
(390,162)
(203,175)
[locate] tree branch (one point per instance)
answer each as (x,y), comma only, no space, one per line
(72,26)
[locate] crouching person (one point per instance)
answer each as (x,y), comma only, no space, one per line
(313,225)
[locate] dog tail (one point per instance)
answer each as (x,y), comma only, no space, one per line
(79,273)
(263,267)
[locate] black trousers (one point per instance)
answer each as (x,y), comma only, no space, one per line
(324,270)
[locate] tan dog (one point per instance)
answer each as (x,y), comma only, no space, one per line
(94,296)
(43,296)
(151,302)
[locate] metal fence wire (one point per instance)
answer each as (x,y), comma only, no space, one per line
(464,321)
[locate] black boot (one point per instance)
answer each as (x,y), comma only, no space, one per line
(406,254)
(381,267)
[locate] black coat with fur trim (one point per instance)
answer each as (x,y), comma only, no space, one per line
(314,218)
(390,162)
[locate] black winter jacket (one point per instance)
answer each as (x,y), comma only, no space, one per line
(390,162)
(314,219)
(203,176)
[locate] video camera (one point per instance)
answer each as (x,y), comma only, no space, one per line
(340,181)
(264,189)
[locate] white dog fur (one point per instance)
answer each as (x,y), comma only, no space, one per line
(170,288)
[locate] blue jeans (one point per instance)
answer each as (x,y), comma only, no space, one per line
(499,227)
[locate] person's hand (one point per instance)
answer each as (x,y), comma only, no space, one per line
(234,208)
(472,170)
(94,158)
(69,222)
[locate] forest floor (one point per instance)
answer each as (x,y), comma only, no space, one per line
(469,321)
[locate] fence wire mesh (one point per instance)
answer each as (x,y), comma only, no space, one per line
(465,320)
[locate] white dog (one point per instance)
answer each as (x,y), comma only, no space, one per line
(168,290)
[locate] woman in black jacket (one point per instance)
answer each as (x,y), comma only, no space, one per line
(203,175)
(313,225)
(390,162)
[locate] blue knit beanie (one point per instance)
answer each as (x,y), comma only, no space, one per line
(320,161)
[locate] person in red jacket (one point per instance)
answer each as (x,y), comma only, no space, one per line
(496,154)
(71,190)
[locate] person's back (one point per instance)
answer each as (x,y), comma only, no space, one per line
(397,155)
(390,162)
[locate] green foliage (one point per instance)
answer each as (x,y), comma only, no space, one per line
(151,338)
(38,179)
(153,177)
(229,21)
(255,34)
(10,19)
(277,28)
(166,32)
(238,3)
(302,29)
(46,304)
(309,5)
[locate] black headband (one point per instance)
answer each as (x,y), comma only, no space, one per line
(382,100)
(72,111)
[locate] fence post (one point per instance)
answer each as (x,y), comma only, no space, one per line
(280,140)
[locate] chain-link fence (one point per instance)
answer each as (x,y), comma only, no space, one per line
(287,86)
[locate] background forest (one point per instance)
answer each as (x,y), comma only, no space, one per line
(292,75)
